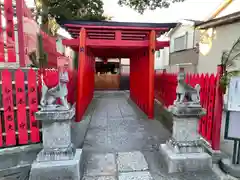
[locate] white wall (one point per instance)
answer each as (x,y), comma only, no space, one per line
(224,39)
(162,61)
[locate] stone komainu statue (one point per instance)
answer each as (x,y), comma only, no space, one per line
(186,93)
(50,95)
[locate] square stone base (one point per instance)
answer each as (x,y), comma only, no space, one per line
(185,162)
(58,170)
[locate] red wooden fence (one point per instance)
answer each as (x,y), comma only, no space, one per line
(211,98)
(19,101)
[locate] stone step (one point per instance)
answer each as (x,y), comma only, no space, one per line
(15,173)
(121,166)
(99,178)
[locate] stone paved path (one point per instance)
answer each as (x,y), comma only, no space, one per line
(122,144)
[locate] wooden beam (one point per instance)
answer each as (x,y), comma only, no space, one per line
(99,43)
(71,42)
(117,44)
(162,44)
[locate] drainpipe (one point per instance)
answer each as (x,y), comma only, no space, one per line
(194,36)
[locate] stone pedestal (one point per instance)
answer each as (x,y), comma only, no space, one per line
(58,159)
(183,151)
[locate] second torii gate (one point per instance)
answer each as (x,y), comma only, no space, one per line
(136,41)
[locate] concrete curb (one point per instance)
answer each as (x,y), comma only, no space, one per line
(79,129)
(161,114)
(229,168)
(14,173)
(18,156)
(222,176)
(15,163)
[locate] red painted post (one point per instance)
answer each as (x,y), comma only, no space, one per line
(81,69)
(2,58)
(8,11)
(152,43)
(19,14)
(217,111)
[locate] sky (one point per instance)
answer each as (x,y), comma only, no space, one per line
(190,9)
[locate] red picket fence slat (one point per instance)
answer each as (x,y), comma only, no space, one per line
(8,108)
(33,105)
(165,92)
(21,107)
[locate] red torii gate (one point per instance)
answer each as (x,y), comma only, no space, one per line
(107,39)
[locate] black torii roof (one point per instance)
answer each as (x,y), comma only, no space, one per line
(111,24)
(123,24)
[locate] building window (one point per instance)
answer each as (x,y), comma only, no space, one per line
(180,43)
(158,54)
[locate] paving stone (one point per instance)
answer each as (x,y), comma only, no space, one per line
(128,133)
(144,175)
(131,161)
(100,165)
(99,178)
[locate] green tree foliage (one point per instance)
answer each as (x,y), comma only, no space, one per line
(75,9)
(142,5)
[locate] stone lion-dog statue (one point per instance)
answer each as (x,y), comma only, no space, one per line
(50,95)
(186,93)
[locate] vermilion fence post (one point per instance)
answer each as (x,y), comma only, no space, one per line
(8,9)
(2,58)
(19,14)
(217,111)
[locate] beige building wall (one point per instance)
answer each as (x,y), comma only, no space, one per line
(183,54)
(224,38)
(192,36)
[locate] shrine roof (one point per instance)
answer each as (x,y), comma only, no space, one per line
(111,24)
